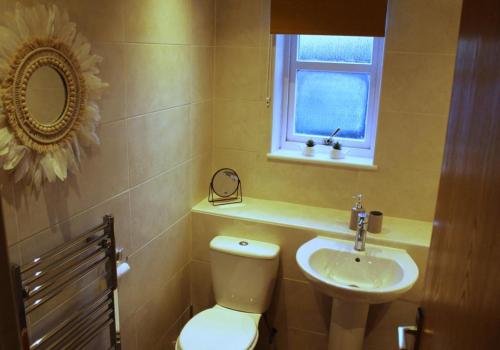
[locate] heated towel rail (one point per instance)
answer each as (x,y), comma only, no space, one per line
(49,278)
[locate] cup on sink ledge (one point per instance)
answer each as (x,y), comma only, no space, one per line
(375,219)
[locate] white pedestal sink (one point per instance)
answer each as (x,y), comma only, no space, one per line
(355,279)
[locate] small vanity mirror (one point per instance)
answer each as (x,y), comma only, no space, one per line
(225,187)
(46,95)
(225,182)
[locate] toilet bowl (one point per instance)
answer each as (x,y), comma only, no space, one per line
(220,328)
(243,277)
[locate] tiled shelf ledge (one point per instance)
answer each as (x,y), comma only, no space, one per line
(323,159)
(396,232)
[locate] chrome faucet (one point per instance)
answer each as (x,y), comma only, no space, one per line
(360,239)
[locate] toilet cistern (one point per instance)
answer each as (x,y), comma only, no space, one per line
(360,238)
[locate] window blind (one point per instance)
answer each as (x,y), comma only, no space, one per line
(329,17)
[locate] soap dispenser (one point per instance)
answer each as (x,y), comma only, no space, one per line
(355,210)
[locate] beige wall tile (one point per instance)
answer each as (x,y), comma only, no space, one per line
(158,77)
(308,184)
(244,163)
(239,23)
(112,69)
(201,126)
(383,320)
(203,22)
(240,73)
(128,334)
(170,338)
(406,193)
(301,306)
(158,203)
(104,25)
(8,208)
(118,206)
(266,23)
(103,174)
(157,142)
(202,296)
(202,234)
(202,82)
(162,258)
(201,175)
(398,145)
(15,254)
(295,339)
(158,21)
(97,27)
(423,26)
(156,317)
(203,230)
(240,125)
(417,83)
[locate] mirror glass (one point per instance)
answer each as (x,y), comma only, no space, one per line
(46,95)
(225,182)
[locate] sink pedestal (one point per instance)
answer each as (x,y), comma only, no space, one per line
(347,325)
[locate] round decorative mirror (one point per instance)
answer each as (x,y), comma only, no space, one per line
(225,187)
(50,90)
(46,95)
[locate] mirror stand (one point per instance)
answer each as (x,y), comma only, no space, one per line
(225,188)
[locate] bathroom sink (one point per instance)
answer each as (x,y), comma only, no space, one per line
(377,275)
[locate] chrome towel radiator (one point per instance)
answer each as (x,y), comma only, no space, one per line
(50,278)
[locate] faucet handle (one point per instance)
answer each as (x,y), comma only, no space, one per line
(362,219)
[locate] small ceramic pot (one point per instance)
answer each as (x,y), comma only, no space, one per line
(337,153)
(308,151)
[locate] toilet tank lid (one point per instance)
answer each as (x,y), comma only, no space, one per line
(244,247)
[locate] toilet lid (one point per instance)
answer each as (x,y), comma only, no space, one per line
(218,329)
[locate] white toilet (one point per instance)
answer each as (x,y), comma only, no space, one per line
(243,277)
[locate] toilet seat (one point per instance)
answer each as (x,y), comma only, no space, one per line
(219,328)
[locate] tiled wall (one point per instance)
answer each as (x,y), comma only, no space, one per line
(153,163)
(418,68)
(299,312)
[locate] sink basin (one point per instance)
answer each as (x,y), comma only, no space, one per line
(377,275)
(355,280)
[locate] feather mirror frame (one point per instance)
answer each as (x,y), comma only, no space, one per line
(31,38)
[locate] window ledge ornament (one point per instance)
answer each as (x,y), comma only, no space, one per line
(39,152)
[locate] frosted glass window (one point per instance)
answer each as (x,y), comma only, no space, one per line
(339,49)
(327,100)
(327,83)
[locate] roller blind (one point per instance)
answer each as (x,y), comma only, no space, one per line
(329,17)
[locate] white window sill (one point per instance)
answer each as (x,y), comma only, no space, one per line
(323,158)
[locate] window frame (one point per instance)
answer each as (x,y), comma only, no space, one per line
(290,65)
